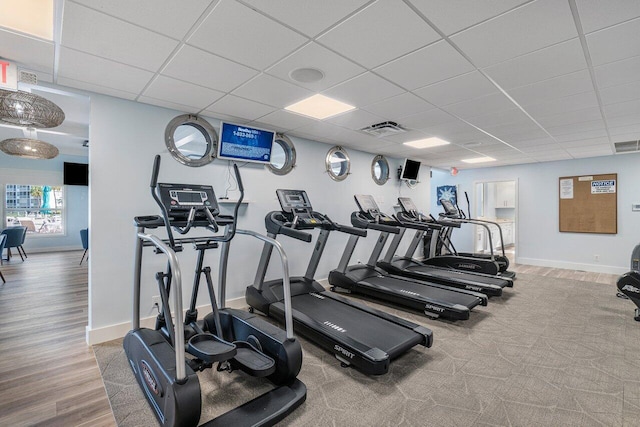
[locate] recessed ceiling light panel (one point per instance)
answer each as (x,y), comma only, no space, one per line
(479,160)
(426,143)
(33,17)
(319,107)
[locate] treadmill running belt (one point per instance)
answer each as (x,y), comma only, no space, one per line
(359,325)
(467,278)
(399,285)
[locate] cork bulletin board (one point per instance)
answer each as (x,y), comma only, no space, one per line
(589,203)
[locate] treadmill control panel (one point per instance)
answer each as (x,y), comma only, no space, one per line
(368,206)
(179,199)
(296,206)
(408,206)
(448,207)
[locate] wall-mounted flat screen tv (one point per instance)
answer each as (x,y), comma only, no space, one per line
(76,174)
(410,170)
(245,144)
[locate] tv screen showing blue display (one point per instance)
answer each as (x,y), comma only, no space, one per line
(245,144)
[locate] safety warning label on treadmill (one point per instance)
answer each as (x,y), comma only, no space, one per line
(603,187)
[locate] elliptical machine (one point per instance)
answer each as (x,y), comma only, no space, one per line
(629,283)
(232,339)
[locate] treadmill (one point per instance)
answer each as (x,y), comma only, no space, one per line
(358,335)
(453,217)
(434,300)
(406,265)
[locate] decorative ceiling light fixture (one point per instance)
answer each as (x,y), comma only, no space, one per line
(28,148)
(28,109)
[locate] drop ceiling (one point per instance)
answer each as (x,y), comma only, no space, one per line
(519,81)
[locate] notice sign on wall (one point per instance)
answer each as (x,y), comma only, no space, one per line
(603,186)
(566,188)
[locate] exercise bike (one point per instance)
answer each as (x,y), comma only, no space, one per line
(165,360)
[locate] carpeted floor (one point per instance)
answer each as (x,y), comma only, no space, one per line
(552,352)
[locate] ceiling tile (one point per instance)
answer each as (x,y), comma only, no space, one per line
(167,17)
(336,69)
(399,106)
(563,105)
(596,14)
(427,119)
(355,119)
(614,43)
(598,133)
(557,87)
(577,116)
(625,137)
(410,135)
(622,120)
(285,120)
(379,33)
(626,130)
(33,53)
(576,127)
(543,64)
(179,92)
(531,27)
(202,68)
(590,142)
(363,90)
(102,35)
(485,104)
(226,118)
(237,32)
(619,72)
(551,155)
(63,81)
(428,65)
(271,91)
(308,16)
(620,93)
(80,66)
(452,16)
(169,104)
(501,118)
(622,108)
(461,88)
(239,107)
(581,153)
(320,131)
(539,148)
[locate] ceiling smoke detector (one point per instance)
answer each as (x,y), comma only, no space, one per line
(380,130)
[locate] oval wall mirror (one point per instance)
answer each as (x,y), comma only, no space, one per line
(283,155)
(380,169)
(191,140)
(338,163)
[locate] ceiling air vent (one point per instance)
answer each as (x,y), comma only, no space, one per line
(627,146)
(383,129)
(28,77)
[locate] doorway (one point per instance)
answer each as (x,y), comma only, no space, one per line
(496,201)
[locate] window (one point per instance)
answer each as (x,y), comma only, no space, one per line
(37,207)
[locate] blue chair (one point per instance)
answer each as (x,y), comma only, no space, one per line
(84,237)
(3,239)
(15,239)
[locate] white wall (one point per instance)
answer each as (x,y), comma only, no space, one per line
(15,170)
(125,136)
(538,240)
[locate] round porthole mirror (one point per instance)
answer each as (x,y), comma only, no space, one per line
(283,155)
(338,163)
(380,169)
(191,140)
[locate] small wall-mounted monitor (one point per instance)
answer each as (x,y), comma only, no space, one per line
(245,144)
(76,174)
(410,170)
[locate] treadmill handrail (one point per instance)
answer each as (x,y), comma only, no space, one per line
(482,223)
(360,222)
(286,283)
(176,279)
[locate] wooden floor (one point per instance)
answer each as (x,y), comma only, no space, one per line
(48,374)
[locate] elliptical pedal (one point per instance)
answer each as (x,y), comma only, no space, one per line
(252,361)
(211,348)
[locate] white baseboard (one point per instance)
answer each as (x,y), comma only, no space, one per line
(595,268)
(119,330)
